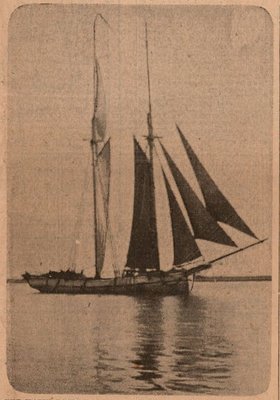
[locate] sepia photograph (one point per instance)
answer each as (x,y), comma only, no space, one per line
(140,187)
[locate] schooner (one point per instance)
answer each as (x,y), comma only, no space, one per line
(142,272)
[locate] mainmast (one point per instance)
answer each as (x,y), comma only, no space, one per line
(143,251)
(150,137)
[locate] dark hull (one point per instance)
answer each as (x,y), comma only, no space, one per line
(164,283)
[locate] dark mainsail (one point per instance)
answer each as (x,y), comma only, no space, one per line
(102,189)
(216,203)
(185,247)
(203,224)
(143,248)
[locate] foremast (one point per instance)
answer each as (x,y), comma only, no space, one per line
(100,147)
(94,148)
(150,137)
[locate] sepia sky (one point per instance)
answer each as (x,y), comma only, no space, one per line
(211,73)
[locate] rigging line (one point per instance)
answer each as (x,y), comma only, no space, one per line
(209,263)
(191,262)
(237,251)
(108,224)
(78,222)
(157,154)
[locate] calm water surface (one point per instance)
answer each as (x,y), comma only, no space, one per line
(216,341)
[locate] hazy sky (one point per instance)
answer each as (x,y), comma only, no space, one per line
(211,72)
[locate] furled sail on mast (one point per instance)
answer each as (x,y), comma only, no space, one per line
(102,188)
(143,248)
(99,116)
(216,203)
(203,224)
(101,164)
(185,247)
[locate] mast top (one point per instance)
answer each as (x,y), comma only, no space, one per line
(94,31)
(150,137)
(148,68)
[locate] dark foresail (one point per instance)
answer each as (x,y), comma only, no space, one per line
(203,224)
(143,248)
(185,247)
(102,188)
(216,203)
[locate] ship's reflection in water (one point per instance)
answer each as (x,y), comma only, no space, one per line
(150,342)
(206,343)
(174,351)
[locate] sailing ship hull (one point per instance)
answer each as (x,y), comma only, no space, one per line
(163,283)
